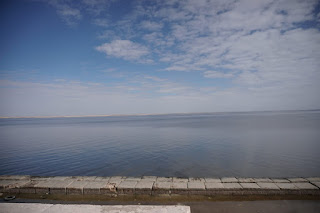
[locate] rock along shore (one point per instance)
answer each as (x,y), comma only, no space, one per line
(151,185)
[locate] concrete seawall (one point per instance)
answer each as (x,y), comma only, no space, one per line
(153,186)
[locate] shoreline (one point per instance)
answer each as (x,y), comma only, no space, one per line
(153,186)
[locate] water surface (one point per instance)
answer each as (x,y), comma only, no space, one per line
(273,144)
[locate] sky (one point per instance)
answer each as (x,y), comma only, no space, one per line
(98,57)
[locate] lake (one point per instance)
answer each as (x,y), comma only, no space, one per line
(256,144)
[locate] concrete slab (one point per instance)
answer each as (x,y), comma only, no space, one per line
(40,178)
(289,186)
(144,185)
(61,178)
(108,189)
(95,184)
(213,180)
(76,187)
(146,209)
(116,178)
(232,186)
(280,180)
(132,179)
(29,187)
(180,188)
(305,186)
(115,182)
(246,180)
(180,180)
(180,185)
(93,187)
(317,184)
(229,180)
(264,185)
(197,180)
(149,178)
(83,208)
(15,177)
(164,179)
(162,185)
(127,184)
(12,183)
(297,180)
(99,178)
(72,208)
(53,186)
(196,185)
(313,179)
(250,186)
(163,188)
(263,180)
(6,183)
(24,207)
(84,178)
(213,185)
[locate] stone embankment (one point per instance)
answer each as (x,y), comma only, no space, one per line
(150,185)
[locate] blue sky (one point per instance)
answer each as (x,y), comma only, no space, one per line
(91,57)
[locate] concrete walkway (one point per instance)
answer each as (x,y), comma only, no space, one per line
(114,186)
(271,206)
(60,208)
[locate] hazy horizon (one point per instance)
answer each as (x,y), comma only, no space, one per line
(151,114)
(106,57)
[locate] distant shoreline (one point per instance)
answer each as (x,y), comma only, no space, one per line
(148,114)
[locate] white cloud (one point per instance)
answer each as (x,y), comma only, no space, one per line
(215,74)
(182,67)
(101,22)
(96,7)
(152,26)
(125,49)
(69,14)
(262,41)
(154,78)
(71,11)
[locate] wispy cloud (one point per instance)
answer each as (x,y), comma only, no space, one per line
(96,7)
(71,11)
(68,13)
(215,74)
(265,42)
(154,78)
(125,49)
(151,25)
(101,22)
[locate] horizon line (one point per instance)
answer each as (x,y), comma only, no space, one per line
(146,114)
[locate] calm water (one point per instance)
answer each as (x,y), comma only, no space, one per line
(273,144)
